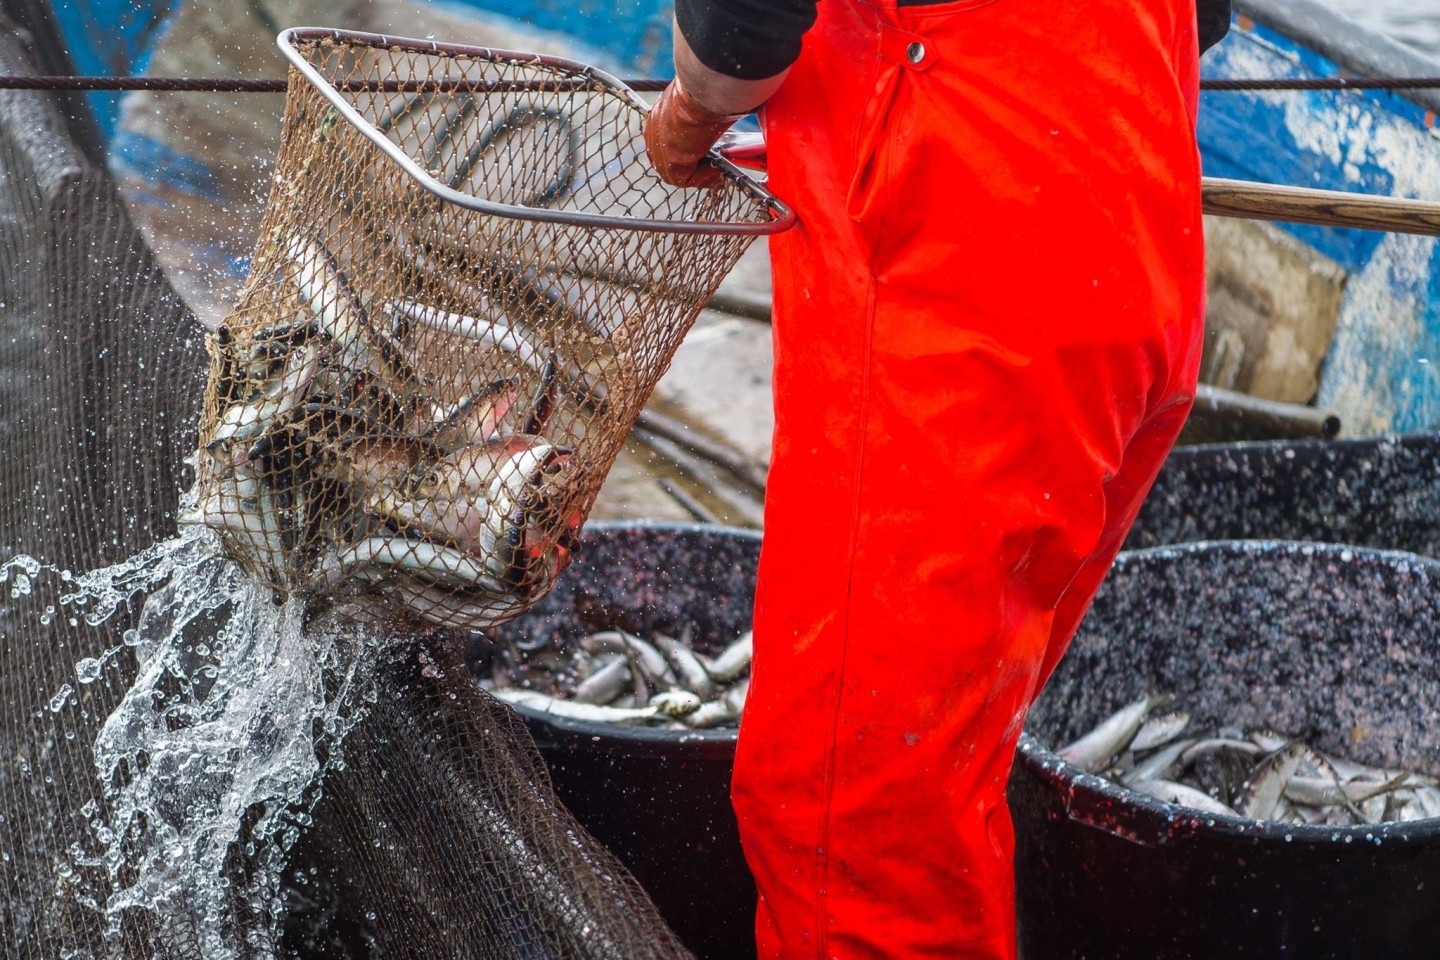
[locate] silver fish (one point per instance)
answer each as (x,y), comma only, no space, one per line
(509,336)
(732,661)
(1178,793)
(712,714)
(1158,731)
(1258,797)
(435,562)
(651,661)
(687,667)
(277,400)
(475,418)
(337,308)
(605,684)
(1322,792)
(1160,764)
(470,609)
(542,703)
(1096,749)
(1215,744)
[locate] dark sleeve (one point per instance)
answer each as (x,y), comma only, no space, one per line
(1214,21)
(745,39)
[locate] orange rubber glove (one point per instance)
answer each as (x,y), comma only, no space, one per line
(699,105)
(678,134)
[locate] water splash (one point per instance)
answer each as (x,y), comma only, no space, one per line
(213,760)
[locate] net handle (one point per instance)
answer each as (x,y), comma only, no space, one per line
(782,217)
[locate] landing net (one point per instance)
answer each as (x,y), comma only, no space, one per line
(467,284)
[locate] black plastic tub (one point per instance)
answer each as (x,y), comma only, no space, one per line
(1336,644)
(659,799)
(1380,492)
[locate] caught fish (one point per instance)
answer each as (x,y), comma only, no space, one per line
(547,395)
(509,337)
(471,608)
(1160,764)
(475,419)
(1258,774)
(326,291)
(732,661)
(607,683)
(1185,796)
(438,564)
(1322,792)
(276,399)
(688,668)
(615,669)
(1159,730)
(651,661)
(662,705)
(1094,751)
(1260,795)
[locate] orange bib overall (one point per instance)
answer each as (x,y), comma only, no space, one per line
(987,329)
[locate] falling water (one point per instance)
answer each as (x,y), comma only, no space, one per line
(213,760)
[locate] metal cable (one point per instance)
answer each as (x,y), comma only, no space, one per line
(1324,83)
(642,85)
(236,85)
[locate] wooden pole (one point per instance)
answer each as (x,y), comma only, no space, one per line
(1327,208)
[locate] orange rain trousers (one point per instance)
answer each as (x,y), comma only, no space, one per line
(987,329)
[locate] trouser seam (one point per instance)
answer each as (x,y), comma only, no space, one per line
(867,377)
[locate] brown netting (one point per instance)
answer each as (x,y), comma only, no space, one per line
(422,822)
(420,393)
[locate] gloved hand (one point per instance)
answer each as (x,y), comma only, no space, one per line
(679,132)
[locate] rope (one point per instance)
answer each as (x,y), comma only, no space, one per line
(642,85)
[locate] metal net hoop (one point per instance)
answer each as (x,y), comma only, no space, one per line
(467,284)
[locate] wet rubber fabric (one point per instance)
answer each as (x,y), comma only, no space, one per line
(987,329)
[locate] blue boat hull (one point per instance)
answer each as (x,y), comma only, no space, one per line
(1380,373)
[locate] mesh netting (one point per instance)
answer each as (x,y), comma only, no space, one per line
(195,771)
(464,292)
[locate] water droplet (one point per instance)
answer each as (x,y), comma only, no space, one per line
(57,702)
(88,670)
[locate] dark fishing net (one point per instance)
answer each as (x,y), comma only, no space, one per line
(197,766)
(99,370)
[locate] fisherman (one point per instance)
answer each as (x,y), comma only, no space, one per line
(987,332)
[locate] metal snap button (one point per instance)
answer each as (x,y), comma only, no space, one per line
(915,52)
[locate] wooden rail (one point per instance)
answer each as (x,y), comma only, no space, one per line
(1327,208)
